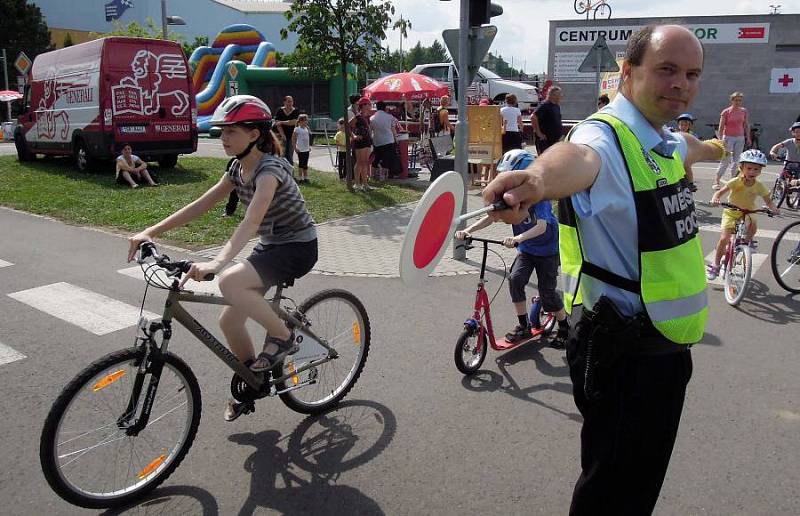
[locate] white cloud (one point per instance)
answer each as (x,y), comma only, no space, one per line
(524,26)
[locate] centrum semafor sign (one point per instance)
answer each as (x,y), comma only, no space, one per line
(711,33)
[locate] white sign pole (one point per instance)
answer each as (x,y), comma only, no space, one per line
(5,78)
(459,253)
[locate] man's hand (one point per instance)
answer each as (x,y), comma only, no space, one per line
(462,235)
(510,241)
(519,190)
(135,241)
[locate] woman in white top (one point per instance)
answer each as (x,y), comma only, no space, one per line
(301,141)
(131,169)
(512,124)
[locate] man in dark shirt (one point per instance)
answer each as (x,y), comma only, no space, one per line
(546,120)
(286,119)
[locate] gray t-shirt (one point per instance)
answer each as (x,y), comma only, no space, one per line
(792,149)
(287,219)
(382,124)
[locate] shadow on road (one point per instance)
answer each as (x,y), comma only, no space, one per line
(489,381)
(173,500)
(759,303)
(324,445)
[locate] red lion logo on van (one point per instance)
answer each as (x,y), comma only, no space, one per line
(137,95)
(46,116)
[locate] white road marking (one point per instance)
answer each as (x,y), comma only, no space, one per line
(758,261)
(89,310)
(8,355)
(4,263)
(770,234)
(206,287)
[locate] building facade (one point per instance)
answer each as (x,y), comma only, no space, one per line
(202,17)
(758,55)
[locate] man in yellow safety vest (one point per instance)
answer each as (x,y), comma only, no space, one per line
(629,253)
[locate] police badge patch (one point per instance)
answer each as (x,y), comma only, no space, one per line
(651,162)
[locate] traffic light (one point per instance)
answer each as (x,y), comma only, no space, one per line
(481,12)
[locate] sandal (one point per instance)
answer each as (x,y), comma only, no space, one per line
(267,360)
(234,409)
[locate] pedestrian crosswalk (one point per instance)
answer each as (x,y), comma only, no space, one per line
(89,310)
(4,263)
(8,355)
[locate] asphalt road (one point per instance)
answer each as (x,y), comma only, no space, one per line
(414,436)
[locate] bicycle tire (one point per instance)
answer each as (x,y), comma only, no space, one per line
(602,12)
(736,280)
(793,198)
(107,388)
(465,349)
(580,6)
(778,193)
(779,254)
(358,328)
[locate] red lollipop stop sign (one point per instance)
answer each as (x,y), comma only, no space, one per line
(432,225)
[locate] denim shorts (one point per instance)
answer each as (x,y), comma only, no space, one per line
(283,262)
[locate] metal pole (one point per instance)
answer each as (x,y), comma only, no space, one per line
(597,75)
(164,19)
(5,78)
(461,124)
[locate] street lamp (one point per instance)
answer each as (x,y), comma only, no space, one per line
(168,20)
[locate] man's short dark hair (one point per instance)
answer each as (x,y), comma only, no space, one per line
(354,98)
(380,106)
(637,45)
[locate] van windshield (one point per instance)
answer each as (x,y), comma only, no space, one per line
(487,74)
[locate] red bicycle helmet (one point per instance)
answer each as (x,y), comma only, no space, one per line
(241,109)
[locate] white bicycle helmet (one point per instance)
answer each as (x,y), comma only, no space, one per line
(753,156)
(515,159)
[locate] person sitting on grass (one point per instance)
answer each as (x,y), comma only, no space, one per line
(131,169)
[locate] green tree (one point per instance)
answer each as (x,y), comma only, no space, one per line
(402,25)
(67,40)
(199,41)
(334,34)
(22,29)
(437,53)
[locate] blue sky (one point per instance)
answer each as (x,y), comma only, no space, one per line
(524,28)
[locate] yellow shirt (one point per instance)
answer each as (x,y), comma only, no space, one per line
(339,140)
(745,196)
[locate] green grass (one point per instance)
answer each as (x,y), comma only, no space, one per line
(55,188)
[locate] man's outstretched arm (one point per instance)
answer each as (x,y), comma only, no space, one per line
(566,168)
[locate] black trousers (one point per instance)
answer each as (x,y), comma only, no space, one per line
(628,434)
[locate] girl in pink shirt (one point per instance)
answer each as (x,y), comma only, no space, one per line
(734,129)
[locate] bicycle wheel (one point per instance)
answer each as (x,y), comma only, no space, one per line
(778,191)
(785,258)
(580,6)
(793,198)
(470,351)
(88,457)
(338,317)
(602,12)
(737,274)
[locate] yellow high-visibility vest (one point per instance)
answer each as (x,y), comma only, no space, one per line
(672,281)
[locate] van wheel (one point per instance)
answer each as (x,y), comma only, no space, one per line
(168,161)
(80,152)
(23,153)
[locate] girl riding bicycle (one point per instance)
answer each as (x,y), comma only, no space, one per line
(792,147)
(743,192)
(276,212)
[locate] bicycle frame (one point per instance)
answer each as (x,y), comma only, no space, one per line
(482,304)
(174,310)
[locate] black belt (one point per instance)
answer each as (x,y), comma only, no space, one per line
(650,341)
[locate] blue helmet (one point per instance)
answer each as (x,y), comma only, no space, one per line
(686,116)
(753,156)
(515,159)
(795,125)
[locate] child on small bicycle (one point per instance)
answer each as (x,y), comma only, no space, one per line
(276,211)
(537,249)
(744,189)
(792,149)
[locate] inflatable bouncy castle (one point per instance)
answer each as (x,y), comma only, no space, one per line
(239,42)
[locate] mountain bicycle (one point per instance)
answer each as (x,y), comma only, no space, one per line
(125,423)
(478,334)
(787,185)
(785,258)
(736,265)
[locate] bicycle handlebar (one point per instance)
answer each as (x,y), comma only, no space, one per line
(470,239)
(745,210)
(175,268)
